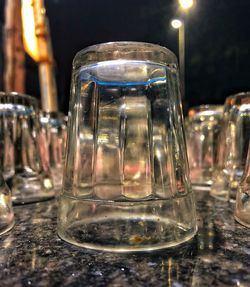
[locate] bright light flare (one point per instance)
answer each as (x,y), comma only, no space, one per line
(29,35)
(186,4)
(176,23)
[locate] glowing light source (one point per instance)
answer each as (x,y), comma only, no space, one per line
(29,35)
(176,23)
(186,4)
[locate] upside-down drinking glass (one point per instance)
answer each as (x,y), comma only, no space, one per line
(232,147)
(25,166)
(126,183)
(53,127)
(203,126)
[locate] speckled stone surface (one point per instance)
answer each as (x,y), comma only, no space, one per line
(31,254)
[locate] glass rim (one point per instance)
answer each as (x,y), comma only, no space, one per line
(18,98)
(237,99)
(126,50)
(214,109)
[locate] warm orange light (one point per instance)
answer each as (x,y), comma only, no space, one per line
(29,35)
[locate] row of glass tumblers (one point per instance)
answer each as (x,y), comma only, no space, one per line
(218,151)
(32,151)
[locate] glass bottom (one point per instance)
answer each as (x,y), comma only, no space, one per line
(30,189)
(243,219)
(6,226)
(127,226)
(201,177)
(225,185)
(223,195)
(201,187)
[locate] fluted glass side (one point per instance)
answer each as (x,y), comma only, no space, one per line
(126,183)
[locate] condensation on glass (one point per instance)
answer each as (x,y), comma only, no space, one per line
(126,183)
(232,147)
(23,156)
(203,126)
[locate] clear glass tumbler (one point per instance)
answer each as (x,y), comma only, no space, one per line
(6,210)
(232,147)
(242,207)
(53,127)
(203,127)
(126,183)
(23,154)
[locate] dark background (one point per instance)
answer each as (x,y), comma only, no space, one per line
(217,40)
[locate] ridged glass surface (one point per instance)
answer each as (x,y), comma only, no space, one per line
(126,183)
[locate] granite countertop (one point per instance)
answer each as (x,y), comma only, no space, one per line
(31,254)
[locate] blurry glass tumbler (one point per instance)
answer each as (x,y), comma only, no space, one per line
(242,208)
(23,158)
(126,183)
(53,127)
(232,147)
(202,132)
(6,210)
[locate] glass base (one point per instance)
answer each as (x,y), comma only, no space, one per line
(201,187)
(201,177)
(126,226)
(29,190)
(31,198)
(6,226)
(225,185)
(223,195)
(243,219)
